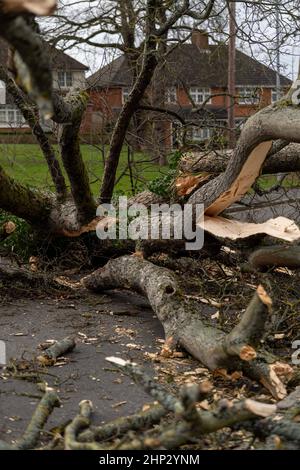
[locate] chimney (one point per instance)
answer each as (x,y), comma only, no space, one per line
(200,39)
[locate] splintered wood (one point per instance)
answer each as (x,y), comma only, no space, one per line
(281,228)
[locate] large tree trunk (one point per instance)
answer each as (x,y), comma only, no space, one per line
(185,325)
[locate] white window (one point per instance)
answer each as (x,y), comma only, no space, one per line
(249,95)
(274,96)
(2,92)
(171,95)
(199,134)
(65,79)
(10,116)
(200,95)
(125,94)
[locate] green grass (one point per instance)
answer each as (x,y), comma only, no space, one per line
(26,164)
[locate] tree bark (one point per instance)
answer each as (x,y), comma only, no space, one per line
(251,151)
(185,326)
(31,115)
(128,110)
(73,162)
(286,160)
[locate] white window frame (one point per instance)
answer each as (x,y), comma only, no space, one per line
(12,117)
(171,95)
(125,93)
(247,95)
(199,95)
(201,134)
(65,78)
(2,92)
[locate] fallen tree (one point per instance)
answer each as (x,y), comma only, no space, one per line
(186,326)
(285,160)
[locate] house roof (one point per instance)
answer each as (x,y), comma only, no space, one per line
(59,59)
(194,67)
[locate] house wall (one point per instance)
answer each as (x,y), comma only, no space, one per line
(79,80)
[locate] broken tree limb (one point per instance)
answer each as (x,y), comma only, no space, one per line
(32,433)
(276,255)
(249,330)
(154,389)
(30,114)
(80,422)
(120,426)
(193,423)
(59,348)
(285,160)
(182,320)
(249,155)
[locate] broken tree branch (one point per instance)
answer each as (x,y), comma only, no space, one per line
(285,160)
(59,348)
(182,320)
(32,433)
(276,255)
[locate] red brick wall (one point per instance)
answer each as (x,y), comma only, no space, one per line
(104,101)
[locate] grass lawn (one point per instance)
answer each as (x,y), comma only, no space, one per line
(26,164)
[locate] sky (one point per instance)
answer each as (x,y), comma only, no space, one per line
(290,51)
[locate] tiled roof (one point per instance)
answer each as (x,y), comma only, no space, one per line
(189,65)
(59,59)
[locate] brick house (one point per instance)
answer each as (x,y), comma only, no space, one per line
(67,73)
(193,74)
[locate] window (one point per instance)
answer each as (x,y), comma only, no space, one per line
(11,117)
(171,95)
(199,134)
(274,97)
(125,94)
(65,79)
(2,92)
(249,95)
(199,95)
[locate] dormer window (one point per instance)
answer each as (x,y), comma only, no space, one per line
(65,79)
(200,95)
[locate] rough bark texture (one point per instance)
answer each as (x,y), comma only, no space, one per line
(272,256)
(128,110)
(285,160)
(31,116)
(250,153)
(182,321)
(29,204)
(73,162)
